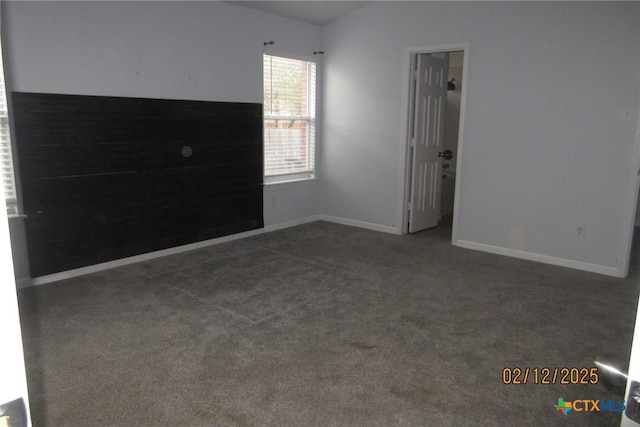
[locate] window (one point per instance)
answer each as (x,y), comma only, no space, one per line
(6,157)
(289,119)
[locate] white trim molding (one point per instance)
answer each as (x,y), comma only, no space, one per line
(41,280)
(546,259)
(630,210)
(531,256)
(405,157)
(55,277)
(360,224)
(291,223)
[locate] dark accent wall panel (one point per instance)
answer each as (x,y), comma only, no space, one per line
(107,177)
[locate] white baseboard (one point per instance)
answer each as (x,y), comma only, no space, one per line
(594,268)
(360,224)
(24,282)
(41,280)
(291,223)
(532,256)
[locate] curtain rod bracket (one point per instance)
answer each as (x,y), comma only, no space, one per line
(318,52)
(271,42)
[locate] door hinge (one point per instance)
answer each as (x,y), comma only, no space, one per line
(410,206)
(414,75)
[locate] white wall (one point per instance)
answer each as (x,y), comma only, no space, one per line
(174,50)
(546,145)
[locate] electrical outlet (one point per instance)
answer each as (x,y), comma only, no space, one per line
(580,229)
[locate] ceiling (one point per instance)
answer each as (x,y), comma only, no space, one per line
(313,12)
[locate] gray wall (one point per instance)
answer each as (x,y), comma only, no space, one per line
(175,50)
(546,146)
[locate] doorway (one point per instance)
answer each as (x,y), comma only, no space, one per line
(435,93)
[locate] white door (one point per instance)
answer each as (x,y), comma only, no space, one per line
(427,135)
(631,416)
(13,386)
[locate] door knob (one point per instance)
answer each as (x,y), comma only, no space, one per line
(446,154)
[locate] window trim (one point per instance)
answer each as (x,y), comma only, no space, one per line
(311,119)
(12,203)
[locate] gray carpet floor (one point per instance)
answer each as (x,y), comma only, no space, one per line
(324,325)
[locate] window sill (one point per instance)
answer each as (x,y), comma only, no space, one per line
(287,180)
(16,216)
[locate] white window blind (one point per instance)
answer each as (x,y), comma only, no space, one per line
(289,118)
(6,156)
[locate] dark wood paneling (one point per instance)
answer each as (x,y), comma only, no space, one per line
(105,177)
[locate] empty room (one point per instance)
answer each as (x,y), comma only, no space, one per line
(247,213)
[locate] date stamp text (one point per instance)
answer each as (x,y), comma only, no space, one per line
(545,375)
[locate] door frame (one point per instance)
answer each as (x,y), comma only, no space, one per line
(634,184)
(405,158)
